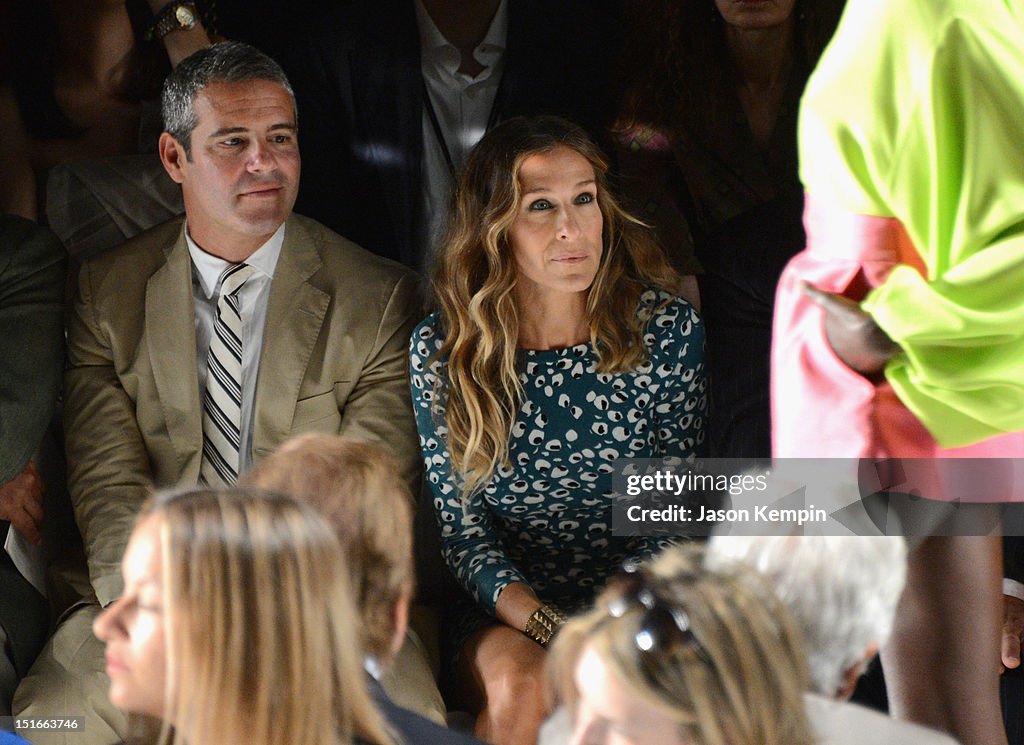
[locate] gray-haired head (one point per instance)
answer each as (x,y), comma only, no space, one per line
(843,591)
(226,62)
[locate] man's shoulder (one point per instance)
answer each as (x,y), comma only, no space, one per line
(345,262)
(845,723)
(411,727)
(18,233)
(26,248)
(145,251)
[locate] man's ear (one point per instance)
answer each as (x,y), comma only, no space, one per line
(172,155)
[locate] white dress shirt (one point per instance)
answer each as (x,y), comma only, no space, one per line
(463,106)
(252,297)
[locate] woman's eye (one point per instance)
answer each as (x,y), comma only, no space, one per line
(585,198)
(539,205)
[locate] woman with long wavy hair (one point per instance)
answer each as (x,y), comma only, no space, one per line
(559,344)
(236,626)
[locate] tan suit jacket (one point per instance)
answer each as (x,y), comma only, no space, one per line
(334,359)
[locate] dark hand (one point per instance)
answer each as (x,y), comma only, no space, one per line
(21,502)
(853,334)
(1013,631)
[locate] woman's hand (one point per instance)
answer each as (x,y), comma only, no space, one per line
(853,334)
(516,603)
(180,42)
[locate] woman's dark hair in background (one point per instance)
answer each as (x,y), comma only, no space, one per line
(675,69)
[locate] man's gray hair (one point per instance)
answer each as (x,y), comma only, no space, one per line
(226,62)
(843,591)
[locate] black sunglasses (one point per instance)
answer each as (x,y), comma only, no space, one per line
(663,627)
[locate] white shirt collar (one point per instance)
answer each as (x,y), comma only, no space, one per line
(439,51)
(210,267)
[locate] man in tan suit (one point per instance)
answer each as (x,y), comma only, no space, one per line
(178,372)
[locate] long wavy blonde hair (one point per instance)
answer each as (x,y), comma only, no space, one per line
(739,680)
(474,284)
(262,641)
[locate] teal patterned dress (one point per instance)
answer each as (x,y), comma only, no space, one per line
(546,518)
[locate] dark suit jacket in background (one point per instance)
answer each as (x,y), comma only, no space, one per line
(356,73)
(32,271)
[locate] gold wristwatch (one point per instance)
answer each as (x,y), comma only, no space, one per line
(173,17)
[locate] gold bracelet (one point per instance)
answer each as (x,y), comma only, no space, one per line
(543,624)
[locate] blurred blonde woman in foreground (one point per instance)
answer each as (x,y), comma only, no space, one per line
(675,654)
(236,625)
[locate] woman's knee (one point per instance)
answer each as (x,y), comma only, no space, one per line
(511,670)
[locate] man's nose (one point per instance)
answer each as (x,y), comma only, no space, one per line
(260,157)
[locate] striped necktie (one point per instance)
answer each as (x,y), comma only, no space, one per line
(222,405)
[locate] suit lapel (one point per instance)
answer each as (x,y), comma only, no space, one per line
(171,339)
(295,313)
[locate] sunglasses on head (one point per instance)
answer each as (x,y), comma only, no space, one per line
(663,628)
